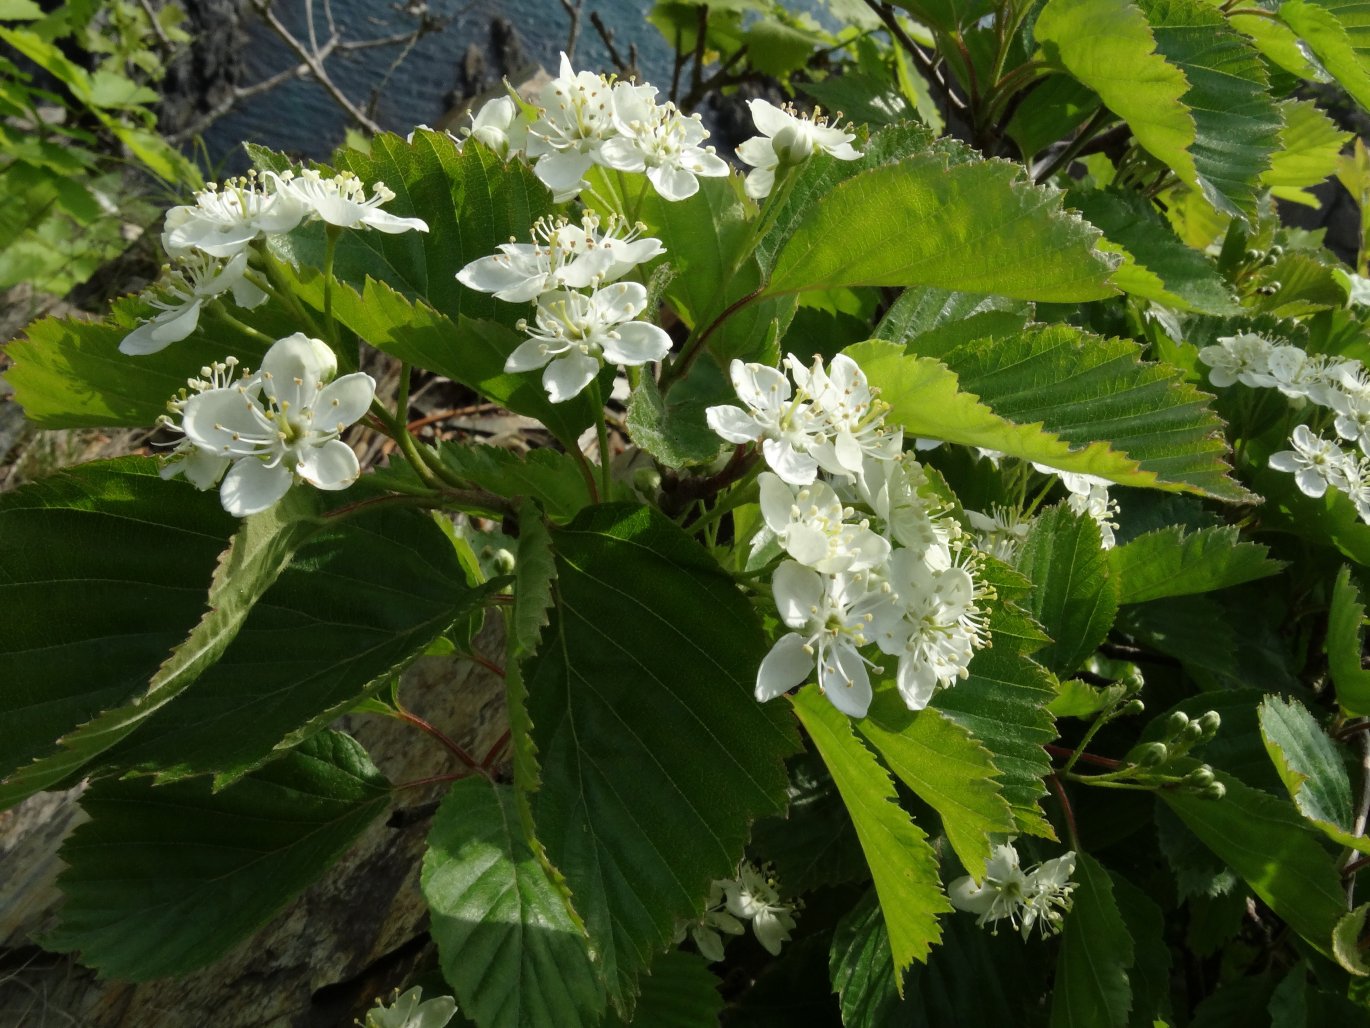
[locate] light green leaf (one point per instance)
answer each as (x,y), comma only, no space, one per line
(1109,46)
(932,322)
(978,227)
(1075,594)
(1156,264)
(655,754)
(1346,945)
(678,992)
(947,768)
(1169,562)
(1344,646)
(20,10)
(1310,149)
(1236,121)
(260,550)
(1311,768)
(1092,988)
(1060,397)
(329,630)
(103,570)
(165,879)
(1339,37)
(902,863)
(1004,701)
(1271,847)
(512,954)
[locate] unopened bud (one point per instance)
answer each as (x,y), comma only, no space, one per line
(1149,754)
(1175,723)
(1210,723)
(1216,791)
(503,561)
(1200,777)
(1190,734)
(1131,708)
(647,480)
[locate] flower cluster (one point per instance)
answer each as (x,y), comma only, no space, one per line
(208,242)
(752,896)
(870,560)
(580,322)
(262,431)
(1341,387)
(584,119)
(1038,898)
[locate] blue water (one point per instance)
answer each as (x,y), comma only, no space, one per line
(300,118)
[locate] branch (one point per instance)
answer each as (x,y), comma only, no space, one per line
(573,33)
(607,34)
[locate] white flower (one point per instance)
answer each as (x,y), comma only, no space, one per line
(661,142)
(1315,462)
(576,118)
(222,222)
(576,334)
(834,616)
(342,201)
(182,293)
(1038,898)
(787,139)
(201,468)
(1089,497)
(407,1011)
(1353,416)
(281,424)
(786,428)
(853,418)
(1001,531)
(715,919)
(939,629)
(1241,358)
(1292,371)
(753,895)
(893,491)
(563,255)
(501,126)
(811,525)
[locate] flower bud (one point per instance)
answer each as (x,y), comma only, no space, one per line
(1210,723)
(1190,734)
(795,143)
(1215,791)
(1149,754)
(1200,777)
(647,480)
(503,561)
(1131,708)
(1175,724)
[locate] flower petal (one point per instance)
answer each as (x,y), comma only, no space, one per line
(251,487)
(343,401)
(529,356)
(673,184)
(798,593)
(225,421)
(163,330)
(794,467)
(295,369)
(566,376)
(331,466)
(786,666)
(733,423)
(844,680)
(637,343)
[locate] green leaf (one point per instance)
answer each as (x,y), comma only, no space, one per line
(1311,768)
(70,374)
(1075,598)
(1198,871)
(329,630)
(1149,976)
(1123,66)
(103,569)
(902,863)
(947,768)
(1270,846)
(933,321)
(1169,562)
(673,429)
(258,553)
(978,227)
(20,10)
(1156,264)
(679,992)
(508,947)
(1092,988)
(1003,703)
(1344,646)
(655,755)
(165,879)
(1236,121)
(1341,44)
(1346,949)
(1310,149)
(1063,398)
(814,844)
(862,968)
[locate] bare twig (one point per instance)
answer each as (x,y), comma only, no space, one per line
(1362,816)
(625,68)
(572,10)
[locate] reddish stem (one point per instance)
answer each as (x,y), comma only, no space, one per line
(496,750)
(487,663)
(441,736)
(418,782)
(1088,758)
(1066,810)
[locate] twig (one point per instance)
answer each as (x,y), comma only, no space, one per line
(1087,758)
(924,62)
(573,33)
(607,35)
(162,38)
(437,733)
(1362,816)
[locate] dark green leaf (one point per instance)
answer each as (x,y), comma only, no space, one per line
(902,863)
(1092,988)
(679,992)
(508,946)
(814,844)
(933,321)
(103,570)
(1076,591)
(1167,562)
(1344,645)
(165,879)
(1149,976)
(655,755)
